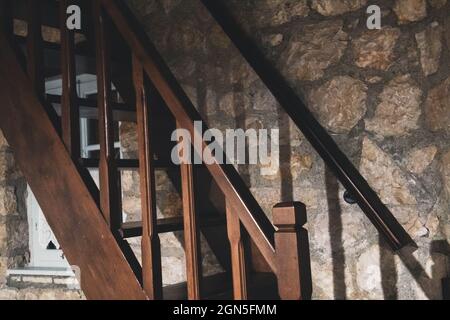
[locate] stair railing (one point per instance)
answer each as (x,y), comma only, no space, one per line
(285,248)
(242,210)
(50,163)
(334,158)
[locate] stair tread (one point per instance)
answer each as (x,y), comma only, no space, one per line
(88,108)
(125,164)
(91,103)
(262,286)
(79,50)
(211,285)
(164,225)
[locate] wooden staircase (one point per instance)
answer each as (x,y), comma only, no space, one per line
(44,133)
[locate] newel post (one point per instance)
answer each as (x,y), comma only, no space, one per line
(292,251)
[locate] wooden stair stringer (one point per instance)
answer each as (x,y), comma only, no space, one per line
(62,194)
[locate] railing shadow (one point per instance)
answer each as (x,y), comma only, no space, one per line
(335,228)
(432,286)
(287,191)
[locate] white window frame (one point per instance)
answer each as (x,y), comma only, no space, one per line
(53,262)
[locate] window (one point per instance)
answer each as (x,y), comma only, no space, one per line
(45,251)
(46,256)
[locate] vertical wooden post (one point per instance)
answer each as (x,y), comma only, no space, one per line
(35,61)
(238,263)
(110,197)
(70,118)
(292,251)
(150,244)
(191,233)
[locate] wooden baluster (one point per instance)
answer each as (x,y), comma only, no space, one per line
(110,197)
(238,263)
(292,251)
(151,250)
(35,61)
(6,17)
(191,233)
(70,118)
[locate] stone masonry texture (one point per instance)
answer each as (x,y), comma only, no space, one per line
(14,246)
(383,95)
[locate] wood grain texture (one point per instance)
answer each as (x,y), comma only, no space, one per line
(191,233)
(227,178)
(312,130)
(292,251)
(151,250)
(61,192)
(35,60)
(110,197)
(70,115)
(238,263)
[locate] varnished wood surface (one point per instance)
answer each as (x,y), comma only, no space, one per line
(229,181)
(70,115)
(61,192)
(238,263)
(35,60)
(150,244)
(165,225)
(110,196)
(242,210)
(191,233)
(292,251)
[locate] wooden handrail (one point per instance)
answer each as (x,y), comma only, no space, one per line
(242,210)
(35,57)
(227,178)
(322,142)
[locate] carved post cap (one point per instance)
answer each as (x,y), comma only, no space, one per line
(289,215)
(292,251)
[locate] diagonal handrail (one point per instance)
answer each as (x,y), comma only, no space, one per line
(227,178)
(334,158)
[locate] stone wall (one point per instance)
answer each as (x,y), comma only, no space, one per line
(383,95)
(14,246)
(168,205)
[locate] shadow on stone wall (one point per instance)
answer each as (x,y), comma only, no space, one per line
(335,227)
(381,94)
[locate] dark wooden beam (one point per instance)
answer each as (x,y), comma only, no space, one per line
(70,115)
(110,197)
(238,262)
(292,250)
(166,225)
(191,233)
(150,245)
(61,192)
(35,60)
(228,179)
